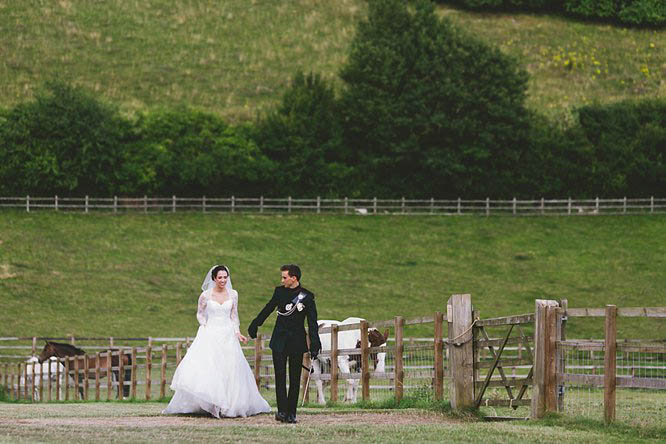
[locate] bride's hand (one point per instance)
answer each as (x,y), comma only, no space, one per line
(241,338)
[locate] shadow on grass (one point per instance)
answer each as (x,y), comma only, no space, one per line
(620,430)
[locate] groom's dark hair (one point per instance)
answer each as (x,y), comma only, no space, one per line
(293,269)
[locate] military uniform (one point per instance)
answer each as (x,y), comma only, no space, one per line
(288,340)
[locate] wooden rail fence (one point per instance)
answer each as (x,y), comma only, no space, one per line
(374,206)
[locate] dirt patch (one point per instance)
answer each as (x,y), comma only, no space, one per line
(4,271)
(355,419)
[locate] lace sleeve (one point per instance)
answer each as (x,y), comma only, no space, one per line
(201,309)
(234,312)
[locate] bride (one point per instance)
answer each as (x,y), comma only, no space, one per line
(214,375)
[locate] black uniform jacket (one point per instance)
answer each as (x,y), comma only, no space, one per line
(289,333)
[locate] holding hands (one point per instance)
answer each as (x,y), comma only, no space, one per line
(241,338)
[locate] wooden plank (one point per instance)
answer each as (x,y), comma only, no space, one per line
(496,342)
(133,377)
(510,381)
(334,363)
(627,312)
(541,339)
(399,372)
(461,351)
(610,357)
(506,320)
(581,380)
(439,356)
(585,344)
(550,378)
(585,312)
(365,369)
(494,355)
(492,369)
(505,402)
(507,362)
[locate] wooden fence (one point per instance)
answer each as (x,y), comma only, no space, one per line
(522,355)
(374,206)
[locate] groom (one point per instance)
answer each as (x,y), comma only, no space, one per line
(288,342)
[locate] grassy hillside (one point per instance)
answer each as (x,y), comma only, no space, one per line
(140,274)
(235,57)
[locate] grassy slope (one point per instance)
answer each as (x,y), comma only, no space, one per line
(138,274)
(235,57)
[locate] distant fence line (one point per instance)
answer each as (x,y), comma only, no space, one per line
(374,206)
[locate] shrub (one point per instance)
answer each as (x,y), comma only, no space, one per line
(428,109)
(66,141)
(303,137)
(643,12)
(189,152)
(592,8)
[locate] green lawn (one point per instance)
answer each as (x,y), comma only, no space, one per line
(140,275)
(236,57)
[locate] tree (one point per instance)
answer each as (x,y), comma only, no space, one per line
(430,110)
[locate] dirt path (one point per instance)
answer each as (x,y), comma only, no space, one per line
(307,419)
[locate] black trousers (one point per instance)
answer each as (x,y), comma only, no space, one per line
(287,403)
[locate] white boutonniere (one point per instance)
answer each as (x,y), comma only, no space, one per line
(300,306)
(288,307)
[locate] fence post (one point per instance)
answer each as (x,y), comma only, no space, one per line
(398,323)
(346,205)
(115,204)
(34,346)
(149,367)
(233,204)
(97,376)
(459,206)
(334,363)
(365,369)
(651,204)
(487,206)
(121,375)
(173,203)
(289,204)
(179,352)
(67,378)
(542,205)
(514,206)
(374,205)
(133,375)
(25,382)
(57,387)
(86,380)
(459,309)
(86,204)
(561,336)
(55,202)
(27,203)
(318,204)
(32,382)
(439,357)
(610,346)
(49,376)
(109,379)
(261,204)
(624,205)
(402,205)
(163,371)
(304,377)
(145,203)
(257,360)
(569,207)
(77,394)
(203,204)
(543,373)
(596,206)
(432,205)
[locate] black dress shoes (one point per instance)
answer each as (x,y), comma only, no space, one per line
(282,417)
(291,419)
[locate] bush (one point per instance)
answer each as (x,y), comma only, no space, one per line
(303,137)
(430,110)
(189,152)
(65,142)
(592,8)
(643,12)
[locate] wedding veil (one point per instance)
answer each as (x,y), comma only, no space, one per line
(208,281)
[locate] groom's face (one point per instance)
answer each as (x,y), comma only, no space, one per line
(289,281)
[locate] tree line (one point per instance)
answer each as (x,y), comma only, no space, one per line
(424,109)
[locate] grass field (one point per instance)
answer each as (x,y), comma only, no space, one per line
(139,275)
(236,57)
(142,422)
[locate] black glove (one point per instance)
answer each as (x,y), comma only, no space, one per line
(252,330)
(314,354)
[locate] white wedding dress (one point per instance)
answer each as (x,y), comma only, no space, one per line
(214,375)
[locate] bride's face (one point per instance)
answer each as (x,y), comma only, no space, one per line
(221,279)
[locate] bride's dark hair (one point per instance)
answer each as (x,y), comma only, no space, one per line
(217,269)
